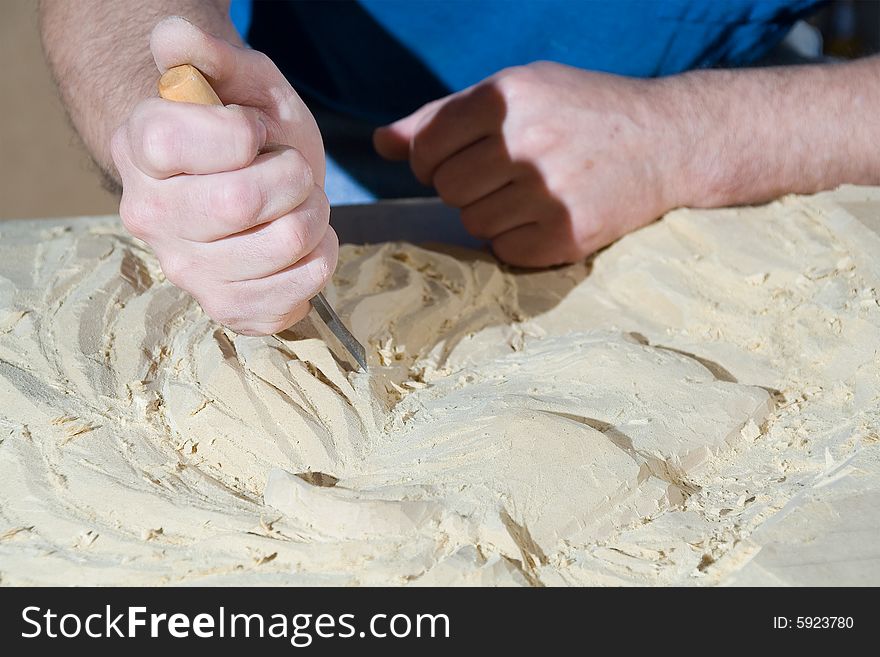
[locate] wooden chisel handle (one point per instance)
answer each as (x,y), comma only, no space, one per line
(186,84)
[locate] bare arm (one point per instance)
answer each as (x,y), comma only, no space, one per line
(751,135)
(551,163)
(99,52)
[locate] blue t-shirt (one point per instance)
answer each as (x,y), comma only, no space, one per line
(362,64)
(381,59)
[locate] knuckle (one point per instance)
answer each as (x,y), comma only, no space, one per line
(452,197)
(506,251)
(513,82)
(447,187)
(420,158)
(178,270)
(212,308)
(160,144)
(244,137)
(474,224)
(489,92)
(263,61)
(299,180)
(535,139)
(290,239)
(322,207)
(320,270)
(138,217)
(236,202)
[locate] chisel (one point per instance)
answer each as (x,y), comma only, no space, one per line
(187,84)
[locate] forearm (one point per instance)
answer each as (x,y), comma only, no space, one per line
(99,53)
(752,135)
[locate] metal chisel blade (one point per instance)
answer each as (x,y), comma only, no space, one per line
(331,319)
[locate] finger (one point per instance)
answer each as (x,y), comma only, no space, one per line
(533,245)
(272,247)
(237,74)
(211,207)
(499,212)
(459,121)
(166,139)
(477,171)
(241,76)
(270,327)
(391,144)
(274,303)
(393,141)
(545,243)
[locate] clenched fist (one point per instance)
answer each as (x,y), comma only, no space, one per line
(548,162)
(229,198)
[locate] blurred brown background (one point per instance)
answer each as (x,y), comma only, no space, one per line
(45,171)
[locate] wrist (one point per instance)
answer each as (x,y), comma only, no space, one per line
(690,140)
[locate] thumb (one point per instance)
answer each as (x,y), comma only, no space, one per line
(241,76)
(238,75)
(393,141)
(175,41)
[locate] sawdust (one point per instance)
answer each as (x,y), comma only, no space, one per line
(642,418)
